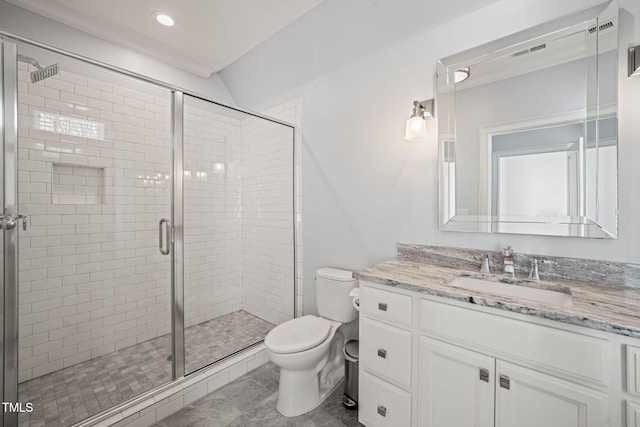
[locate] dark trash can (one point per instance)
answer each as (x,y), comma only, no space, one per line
(351,357)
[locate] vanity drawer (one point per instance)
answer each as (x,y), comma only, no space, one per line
(381,404)
(386,351)
(633,370)
(579,357)
(388,306)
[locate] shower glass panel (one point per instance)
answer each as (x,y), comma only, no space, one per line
(238,233)
(95,178)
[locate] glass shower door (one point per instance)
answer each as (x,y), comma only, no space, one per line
(238,233)
(212,245)
(95,177)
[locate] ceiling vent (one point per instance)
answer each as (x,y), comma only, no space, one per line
(540,46)
(527,51)
(601,27)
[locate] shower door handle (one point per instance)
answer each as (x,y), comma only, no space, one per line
(167,236)
(9,222)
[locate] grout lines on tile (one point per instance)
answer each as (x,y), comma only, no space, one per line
(74,393)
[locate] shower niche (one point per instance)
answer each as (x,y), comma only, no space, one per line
(76,185)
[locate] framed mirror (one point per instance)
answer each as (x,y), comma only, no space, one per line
(527,130)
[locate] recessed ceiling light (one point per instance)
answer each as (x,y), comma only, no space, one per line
(164,19)
(461,74)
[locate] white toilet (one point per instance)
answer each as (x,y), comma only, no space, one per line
(308,349)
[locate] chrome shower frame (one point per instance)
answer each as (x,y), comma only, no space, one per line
(9,292)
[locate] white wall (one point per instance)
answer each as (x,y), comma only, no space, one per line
(366,187)
(23,23)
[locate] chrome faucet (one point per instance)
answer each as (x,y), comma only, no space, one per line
(485,264)
(508,261)
(533,274)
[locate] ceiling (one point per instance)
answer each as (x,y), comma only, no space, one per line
(208,34)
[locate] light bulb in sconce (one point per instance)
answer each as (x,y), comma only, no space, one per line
(416,129)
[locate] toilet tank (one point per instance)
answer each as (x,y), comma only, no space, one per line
(332,294)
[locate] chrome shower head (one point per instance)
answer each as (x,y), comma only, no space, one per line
(42,72)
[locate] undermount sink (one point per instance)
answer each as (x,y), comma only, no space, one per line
(560,296)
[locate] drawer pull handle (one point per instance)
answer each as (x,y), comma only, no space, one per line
(382,306)
(382,411)
(505,382)
(382,353)
(484,375)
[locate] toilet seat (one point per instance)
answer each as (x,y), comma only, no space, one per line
(296,335)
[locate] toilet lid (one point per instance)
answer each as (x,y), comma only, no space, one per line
(298,334)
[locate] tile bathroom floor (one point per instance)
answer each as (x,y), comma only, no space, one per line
(69,395)
(250,401)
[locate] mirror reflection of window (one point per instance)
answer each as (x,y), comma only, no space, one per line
(540,173)
(537,172)
(534,185)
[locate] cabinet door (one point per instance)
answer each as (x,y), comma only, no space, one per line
(525,398)
(456,386)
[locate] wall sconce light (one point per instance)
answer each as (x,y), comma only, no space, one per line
(416,129)
(634,61)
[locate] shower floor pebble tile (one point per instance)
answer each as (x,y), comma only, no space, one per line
(65,397)
(250,401)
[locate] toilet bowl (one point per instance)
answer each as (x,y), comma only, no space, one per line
(308,349)
(306,376)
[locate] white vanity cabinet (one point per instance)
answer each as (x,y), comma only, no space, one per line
(633,385)
(449,363)
(453,378)
(498,393)
(527,398)
(386,358)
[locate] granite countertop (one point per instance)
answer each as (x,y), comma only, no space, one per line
(609,308)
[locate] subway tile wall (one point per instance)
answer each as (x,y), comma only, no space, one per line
(267,199)
(91,277)
(291,112)
(212,223)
